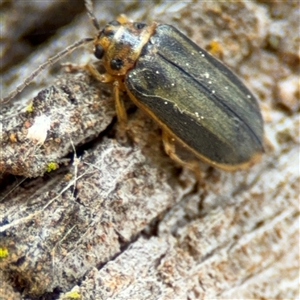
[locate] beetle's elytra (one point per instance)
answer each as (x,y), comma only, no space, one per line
(195,98)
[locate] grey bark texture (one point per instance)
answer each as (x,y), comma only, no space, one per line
(86,216)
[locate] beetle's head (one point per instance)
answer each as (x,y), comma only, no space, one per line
(120,43)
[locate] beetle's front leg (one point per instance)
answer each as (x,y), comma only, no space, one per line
(119,103)
(120,107)
(106,77)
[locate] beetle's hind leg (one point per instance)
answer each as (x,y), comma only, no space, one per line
(169,147)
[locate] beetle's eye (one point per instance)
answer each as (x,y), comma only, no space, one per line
(139,25)
(99,51)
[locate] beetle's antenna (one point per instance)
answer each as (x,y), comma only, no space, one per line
(40,68)
(90,9)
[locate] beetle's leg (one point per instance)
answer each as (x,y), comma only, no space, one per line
(100,77)
(170,149)
(121,113)
(120,107)
(119,103)
(106,78)
(169,146)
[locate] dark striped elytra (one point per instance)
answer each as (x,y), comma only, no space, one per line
(197,99)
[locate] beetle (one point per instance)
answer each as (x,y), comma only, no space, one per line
(195,98)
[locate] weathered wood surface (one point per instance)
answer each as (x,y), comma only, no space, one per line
(121,220)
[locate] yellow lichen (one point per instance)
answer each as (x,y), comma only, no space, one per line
(51,166)
(29,107)
(3,253)
(72,295)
